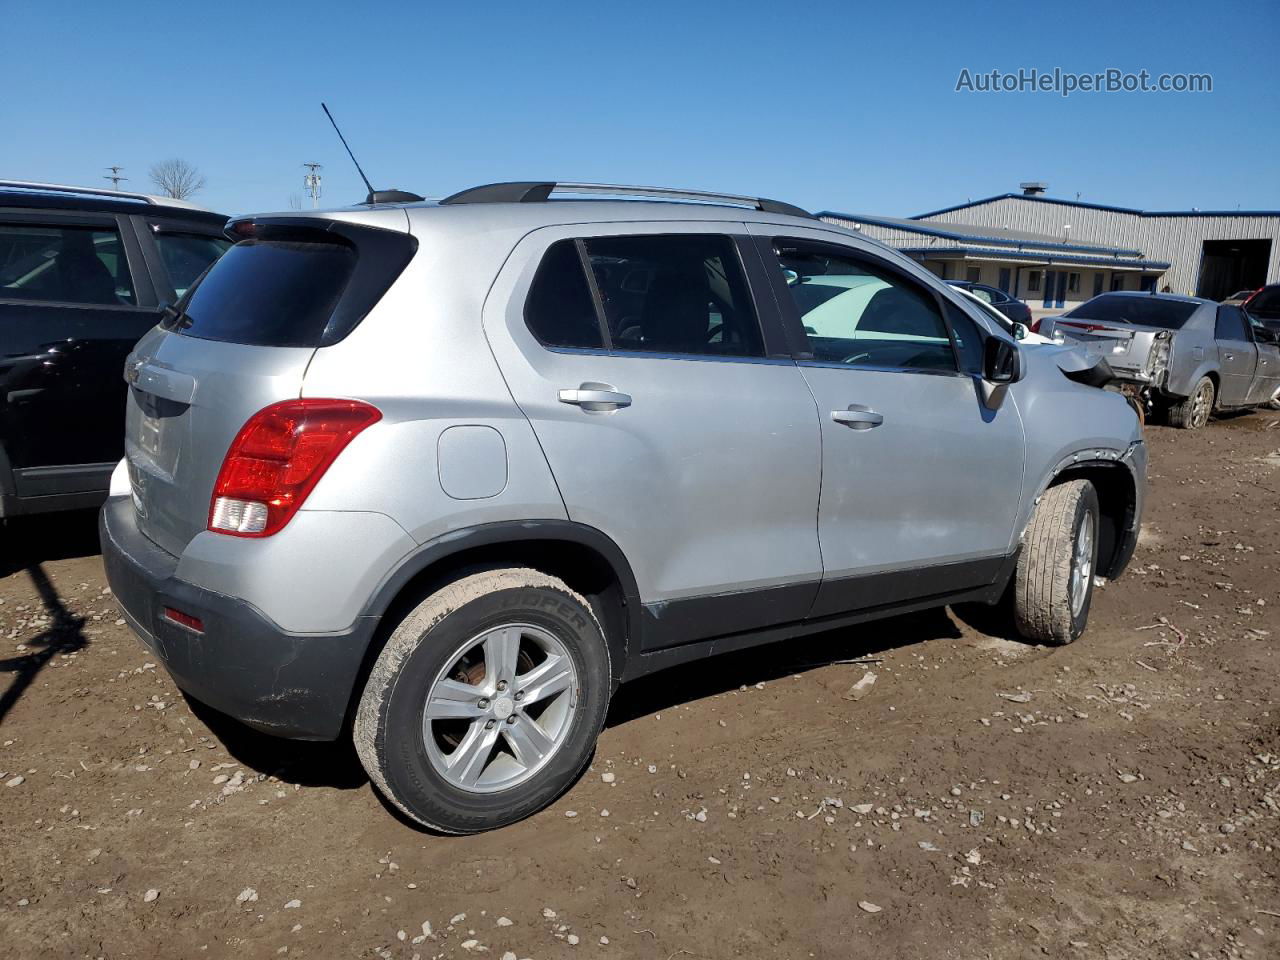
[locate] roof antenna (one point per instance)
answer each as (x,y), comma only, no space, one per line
(375,196)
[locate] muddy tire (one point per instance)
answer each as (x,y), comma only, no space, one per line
(485,703)
(1053,584)
(1193,412)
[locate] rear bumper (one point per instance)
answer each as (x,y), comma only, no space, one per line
(242,664)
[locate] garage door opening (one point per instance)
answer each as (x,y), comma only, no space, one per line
(1228,266)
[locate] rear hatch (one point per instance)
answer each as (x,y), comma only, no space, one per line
(241,339)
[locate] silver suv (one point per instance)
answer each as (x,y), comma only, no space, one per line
(440,476)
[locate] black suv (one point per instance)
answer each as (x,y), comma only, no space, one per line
(84,273)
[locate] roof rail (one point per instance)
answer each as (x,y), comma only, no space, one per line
(36,187)
(537,192)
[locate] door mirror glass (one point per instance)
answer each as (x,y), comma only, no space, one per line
(1020,331)
(1001,362)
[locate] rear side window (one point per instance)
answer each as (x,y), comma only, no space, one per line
(269,293)
(667,293)
(1230,324)
(187,255)
(63,264)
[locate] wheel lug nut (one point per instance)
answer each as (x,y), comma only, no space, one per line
(502,684)
(488,724)
(483,704)
(520,695)
(511,719)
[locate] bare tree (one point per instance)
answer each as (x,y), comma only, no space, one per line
(176,178)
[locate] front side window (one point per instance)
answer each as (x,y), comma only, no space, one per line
(63,264)
(187,255)
(857,313)
(661,293)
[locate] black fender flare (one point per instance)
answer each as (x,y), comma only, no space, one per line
(455,542)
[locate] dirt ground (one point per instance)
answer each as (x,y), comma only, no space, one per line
(1116,798)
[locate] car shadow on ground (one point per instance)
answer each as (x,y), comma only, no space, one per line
(336,765)
(64,634)
(27,541)
(26,544)
(710,676)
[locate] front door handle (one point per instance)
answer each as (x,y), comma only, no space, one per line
(858,417)
(595,398)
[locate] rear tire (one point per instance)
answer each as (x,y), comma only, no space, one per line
(1193,412)
(485,704)
(1053,585)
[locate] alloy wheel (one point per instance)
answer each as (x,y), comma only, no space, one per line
(1082,564)
(1200,405)
(501,708)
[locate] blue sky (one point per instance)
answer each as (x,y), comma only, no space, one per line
(837,106)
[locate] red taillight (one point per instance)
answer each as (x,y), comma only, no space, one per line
(1034,326)
(277,458)
(184,619)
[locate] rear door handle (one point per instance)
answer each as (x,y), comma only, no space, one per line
(858,417)
(595,397)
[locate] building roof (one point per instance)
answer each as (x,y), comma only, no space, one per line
(1038,256)
(1100,206)
(971,233)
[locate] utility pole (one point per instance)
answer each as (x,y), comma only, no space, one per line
(114,177)
(312,182)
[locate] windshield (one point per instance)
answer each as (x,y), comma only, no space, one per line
(1141,311)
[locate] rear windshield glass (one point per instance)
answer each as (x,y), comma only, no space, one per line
(1142,311)
(269,293)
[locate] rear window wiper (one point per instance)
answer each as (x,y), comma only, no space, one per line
(178,319)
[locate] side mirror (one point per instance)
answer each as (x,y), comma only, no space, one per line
(1020,330)
(1001,361)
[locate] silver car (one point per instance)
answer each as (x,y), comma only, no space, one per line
(440,476)
(1186,355)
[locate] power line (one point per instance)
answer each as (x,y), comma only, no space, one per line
(114,177)
(312,182)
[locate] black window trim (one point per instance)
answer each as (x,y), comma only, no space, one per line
(765,246)
(772,341)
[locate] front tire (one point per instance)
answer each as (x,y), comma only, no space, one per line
(485,704)
(1053,585)
(1193,412)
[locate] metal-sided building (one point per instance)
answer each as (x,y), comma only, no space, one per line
(1054,253)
